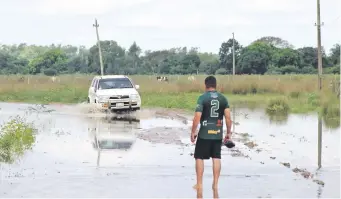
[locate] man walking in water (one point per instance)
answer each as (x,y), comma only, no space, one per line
(211,107)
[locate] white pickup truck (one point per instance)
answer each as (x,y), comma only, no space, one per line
(115,93)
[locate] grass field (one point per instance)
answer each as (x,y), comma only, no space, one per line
(298,92)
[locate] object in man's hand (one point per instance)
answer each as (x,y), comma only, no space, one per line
(229,144)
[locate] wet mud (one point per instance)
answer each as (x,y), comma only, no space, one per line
(80,152)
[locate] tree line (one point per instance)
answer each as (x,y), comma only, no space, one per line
(267,55)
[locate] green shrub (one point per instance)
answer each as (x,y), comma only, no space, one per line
(276,106)
(239,91)
(314,99)
(221,71)
(294,94)
(50,72)
(16,136)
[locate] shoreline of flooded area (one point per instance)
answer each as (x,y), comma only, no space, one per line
(149,154)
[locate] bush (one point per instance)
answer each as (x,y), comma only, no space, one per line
(50,72)
(314,99)
(289,70)
(331,110)
(221,71)
(308,70)
(253,88)
(278,106)
(332,70)
(16,136)
(294,94)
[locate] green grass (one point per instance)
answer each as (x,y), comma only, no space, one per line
(188,101)
(184,100)
(298,91)
(16,136)
(165,100)
(65,94)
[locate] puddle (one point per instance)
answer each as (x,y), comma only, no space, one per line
(149,154)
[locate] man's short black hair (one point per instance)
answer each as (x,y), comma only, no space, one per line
(211,82)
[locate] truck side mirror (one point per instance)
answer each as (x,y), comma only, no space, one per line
(137,86)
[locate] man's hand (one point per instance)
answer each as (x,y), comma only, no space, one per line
(228,124)
(193,137)
(196,121)
(228,137)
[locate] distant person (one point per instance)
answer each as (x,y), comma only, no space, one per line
(209,112)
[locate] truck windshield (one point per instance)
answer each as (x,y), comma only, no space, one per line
(114,83)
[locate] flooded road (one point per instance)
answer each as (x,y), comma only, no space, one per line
(77,154)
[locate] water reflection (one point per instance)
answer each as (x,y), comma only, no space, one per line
(332,123)
(113,133)
(278,118)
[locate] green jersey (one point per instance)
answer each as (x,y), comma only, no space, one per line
(212,105)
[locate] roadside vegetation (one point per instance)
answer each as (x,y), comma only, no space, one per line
(282,93)
(283,78)
(16,137)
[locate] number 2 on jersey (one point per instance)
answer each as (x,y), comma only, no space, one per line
(214,108)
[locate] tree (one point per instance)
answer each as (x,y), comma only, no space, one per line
(270,55)
(286,56)
(255,58)
(190,64)
(226,53)
(309,57)
(134,52)
(52,59)
(111,53)
(335,55)
(275,41)
(209,63)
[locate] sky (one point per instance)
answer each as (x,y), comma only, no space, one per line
(163,24)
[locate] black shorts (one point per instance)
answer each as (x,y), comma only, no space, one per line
(206,149)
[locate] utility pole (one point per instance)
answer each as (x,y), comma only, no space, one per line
(234,61)
(96,25)
(319,49)
(319,56)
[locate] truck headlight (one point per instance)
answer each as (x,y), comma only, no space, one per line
(103,99)
(134,97)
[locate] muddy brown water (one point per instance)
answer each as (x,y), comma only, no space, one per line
(150,155)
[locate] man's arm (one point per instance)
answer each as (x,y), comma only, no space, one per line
(228,123)
(197,117)
(196,121)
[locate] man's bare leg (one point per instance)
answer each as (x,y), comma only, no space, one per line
(199,193)
(199,168)
(215,193)
(216,172)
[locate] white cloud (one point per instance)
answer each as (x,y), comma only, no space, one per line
(272,5)
(157,24)
(82,7)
